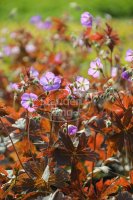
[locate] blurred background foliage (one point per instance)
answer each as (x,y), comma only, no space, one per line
(16,14)
(24,9)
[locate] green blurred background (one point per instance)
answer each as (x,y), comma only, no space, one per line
(15,14)
(24,9)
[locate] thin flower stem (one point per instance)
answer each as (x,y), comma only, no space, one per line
(111,58)
(79,112)
(28,133)
(51,132)
(6,130)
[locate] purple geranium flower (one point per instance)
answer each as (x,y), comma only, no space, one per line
(47,24)
(58,57)
(14,86)
(95,67)
(68,88)
(81,86)
(72,129)
(125,75)
(44,25)
(50,82)
(129,55)
(27,101)
(30,48)
(15,50)
(35,19)
(34,73)
(82,83)
(7,50)
(86,19)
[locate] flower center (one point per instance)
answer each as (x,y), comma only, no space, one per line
(51,82)
(30,103)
